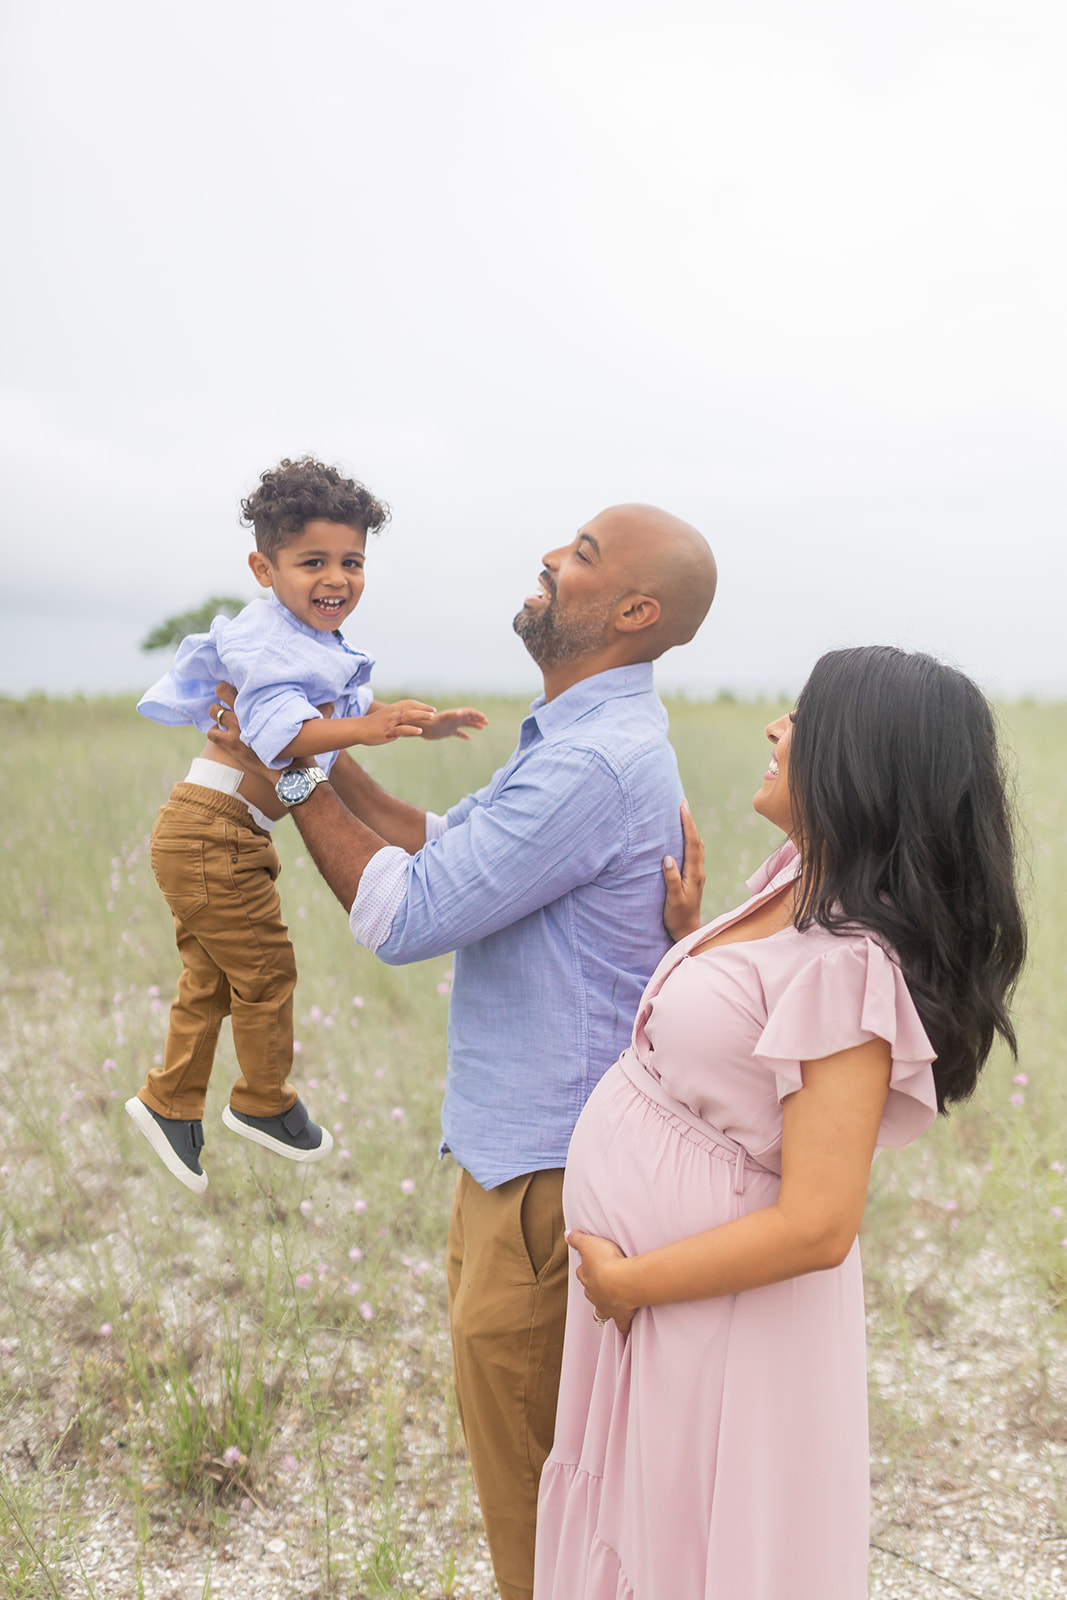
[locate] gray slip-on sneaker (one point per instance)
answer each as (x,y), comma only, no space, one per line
(177,1144)
(293,1134)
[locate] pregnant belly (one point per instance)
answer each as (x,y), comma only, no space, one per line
(644,1177)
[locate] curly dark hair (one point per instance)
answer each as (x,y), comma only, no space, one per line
(297,492)
(906,830)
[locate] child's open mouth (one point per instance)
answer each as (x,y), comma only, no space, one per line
(329,606)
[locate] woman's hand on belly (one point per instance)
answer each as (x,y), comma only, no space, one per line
(594,1273)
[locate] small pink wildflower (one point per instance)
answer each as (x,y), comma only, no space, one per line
(360,1206)
(1057,1166)
(104,1331)
(379,1073)
(1021,1079)
(407,1186)
(1018,1100)
(358,1001)
(344,1155)
(157,1059)
(297,1047)
(443,988)
(287,1464)
(153,991)
(305,1208)
(303,1280)
(355,1254)
(313,1083)
(338,1127)
(301,911)
(366,1311)
(1057,1212)
(353,1287)
(110,1066)
(155,1006)
(397,1113)
(951,1205)
(231,1456)
(315,1013)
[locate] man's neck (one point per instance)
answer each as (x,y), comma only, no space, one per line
(557,680)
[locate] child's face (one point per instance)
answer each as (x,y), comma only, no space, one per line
(318,575)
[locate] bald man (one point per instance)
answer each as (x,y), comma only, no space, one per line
(547,885)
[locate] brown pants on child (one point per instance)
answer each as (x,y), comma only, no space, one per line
(507,1299)
(217,868)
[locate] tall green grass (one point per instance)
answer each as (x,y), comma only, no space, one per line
(270,1363)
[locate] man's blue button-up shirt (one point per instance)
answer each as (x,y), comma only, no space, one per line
(547,885)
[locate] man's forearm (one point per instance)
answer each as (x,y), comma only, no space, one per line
(393,820)
(338,843)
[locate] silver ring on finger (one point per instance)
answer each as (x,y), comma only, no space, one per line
(600,1321)
(220,712)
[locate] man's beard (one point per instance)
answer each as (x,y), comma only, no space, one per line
(552,640)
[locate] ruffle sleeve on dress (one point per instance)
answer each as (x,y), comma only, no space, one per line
(844,997)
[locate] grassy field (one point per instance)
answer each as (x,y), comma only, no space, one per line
(248,1394)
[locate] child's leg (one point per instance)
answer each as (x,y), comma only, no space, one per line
(261,967)
(178,1089)
(217,871)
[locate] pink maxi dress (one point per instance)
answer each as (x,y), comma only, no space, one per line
(719,1451)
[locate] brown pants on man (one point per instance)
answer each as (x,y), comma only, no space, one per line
(217,868)
(507,1296)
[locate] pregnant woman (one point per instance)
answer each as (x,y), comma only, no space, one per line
(711,1440)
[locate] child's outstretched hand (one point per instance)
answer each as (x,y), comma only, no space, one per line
(447,724)
(406,719)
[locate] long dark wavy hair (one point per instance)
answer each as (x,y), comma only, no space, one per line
(904,824)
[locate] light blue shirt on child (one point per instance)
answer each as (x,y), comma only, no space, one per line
(283,670)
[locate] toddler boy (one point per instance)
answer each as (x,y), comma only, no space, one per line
(211,849)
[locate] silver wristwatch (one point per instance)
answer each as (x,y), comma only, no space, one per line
(297,784)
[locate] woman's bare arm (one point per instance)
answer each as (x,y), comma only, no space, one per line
(684,884)
(829,1128)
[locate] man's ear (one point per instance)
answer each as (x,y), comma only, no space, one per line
(261,569)
(638,611)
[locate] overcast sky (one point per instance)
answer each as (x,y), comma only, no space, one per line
(794,271)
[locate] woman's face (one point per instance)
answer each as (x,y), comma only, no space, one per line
(772,799)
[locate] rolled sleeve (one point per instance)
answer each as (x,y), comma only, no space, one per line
(381,890)
(435,826)
(558,821)
(271,721)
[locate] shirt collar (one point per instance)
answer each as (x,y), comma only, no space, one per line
(616,684)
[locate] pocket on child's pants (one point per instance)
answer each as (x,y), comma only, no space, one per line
(178,865)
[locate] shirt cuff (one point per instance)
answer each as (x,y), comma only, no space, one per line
(435,826)
(381,892)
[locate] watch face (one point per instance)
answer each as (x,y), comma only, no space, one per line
(294,787)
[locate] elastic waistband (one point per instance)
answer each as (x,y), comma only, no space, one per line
(211,803)
(718,1143)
